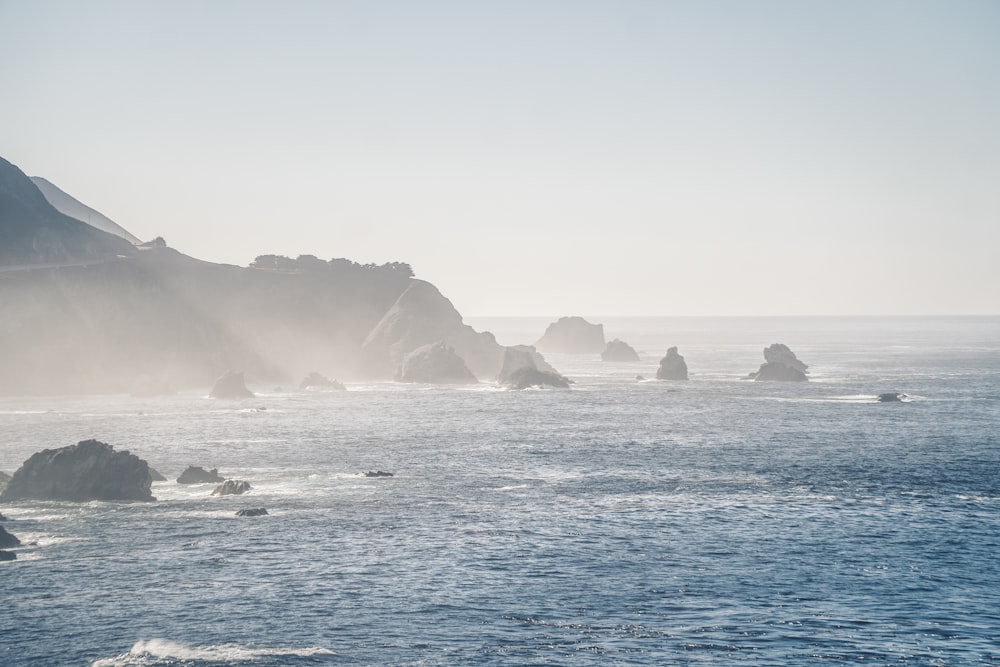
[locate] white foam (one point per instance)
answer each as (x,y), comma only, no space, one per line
(164,651)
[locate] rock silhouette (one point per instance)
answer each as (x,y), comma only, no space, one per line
(672,366)
(619,350)
(436,363)
(231,385)
(572,335)
(198,475)
(780,364)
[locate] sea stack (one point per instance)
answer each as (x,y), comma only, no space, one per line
(231,385)
(572,335)
(672,366)
(780,364)
(619,350)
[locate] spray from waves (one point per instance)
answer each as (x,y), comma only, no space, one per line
(165,652)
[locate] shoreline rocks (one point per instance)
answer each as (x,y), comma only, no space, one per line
(88,470)
(520,370)
(231,385)
(232,487)
(436,363)
(7,540)
(198,475)
(319,381)
(672,366)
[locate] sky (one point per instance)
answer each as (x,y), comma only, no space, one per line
(548,157)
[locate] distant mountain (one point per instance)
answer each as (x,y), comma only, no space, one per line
(34,233)
(74,208)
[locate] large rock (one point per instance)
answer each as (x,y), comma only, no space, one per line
(422,316)
(7,540)
(232,487)
(88,470)
(318,381)
(436,363)
(572,335)
(672,366)
(619,350)
(780,364)
(521,370)
(231,385)
(198,475)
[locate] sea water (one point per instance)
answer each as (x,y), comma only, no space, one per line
(620,522)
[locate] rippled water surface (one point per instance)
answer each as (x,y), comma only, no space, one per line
(716,521)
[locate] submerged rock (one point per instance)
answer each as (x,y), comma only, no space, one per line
(436,363)
(319,381)
(378,473)
(780,364)
(88,470)
(672,366)
(7,540)
(891,397)
(231,385)
(252,511)
(198,475)
(572,335)
(619,350)
(232,487)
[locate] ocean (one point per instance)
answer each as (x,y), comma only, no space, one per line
(620,522)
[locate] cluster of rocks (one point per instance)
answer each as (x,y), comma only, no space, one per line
(318,381)
(523,367)
(780,364)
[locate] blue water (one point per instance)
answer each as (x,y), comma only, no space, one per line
(716,521)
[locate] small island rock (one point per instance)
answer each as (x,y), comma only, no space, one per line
(88,470)
(619,350)
(232,487)
(231,385)
(378,473)
(318,381)
(521,370)
(252,511)
(436,363)
(672,366)
(198,475)
(572,335)
(780,364)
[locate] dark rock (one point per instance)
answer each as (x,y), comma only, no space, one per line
(89,470)
(198,475)
(3,518)
(252,511)
(232,487)
(780,364)
(891,397)
(378,473)
(7,556)
(436,363)
(672,366)
(231,385)
(640,378)
(572,335)
(523,378)
(4,479)
(156,476)
(318,381)
(619,350)
(7,540)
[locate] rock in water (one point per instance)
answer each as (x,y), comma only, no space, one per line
(252,511)
(7,540)
(521,370)
(891,397)
(526,377)
(780,364)
(198,475)
(231,385)
(319,381)
(156,476)
(572,335)
(378,473)
(436,363)
(231,487)
(672,366)
(7,555)
(619,350)
(89,470)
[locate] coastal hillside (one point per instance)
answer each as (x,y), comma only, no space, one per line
(74,208)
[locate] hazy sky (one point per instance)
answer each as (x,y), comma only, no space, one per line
(539,158)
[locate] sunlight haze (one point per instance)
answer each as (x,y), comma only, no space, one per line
(539,158)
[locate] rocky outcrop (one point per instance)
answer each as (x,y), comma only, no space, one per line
(378,473)
(198,475)
(7,556)
(232,487)
(572,335)
(672,366)
(780,364)
(318,381)
(436,363)
(619,350)
(88,470)
(521,370)
(7,540)
(523,378)
(252,511)
(422,316)
(231,385)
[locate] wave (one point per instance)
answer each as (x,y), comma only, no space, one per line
(166,652)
